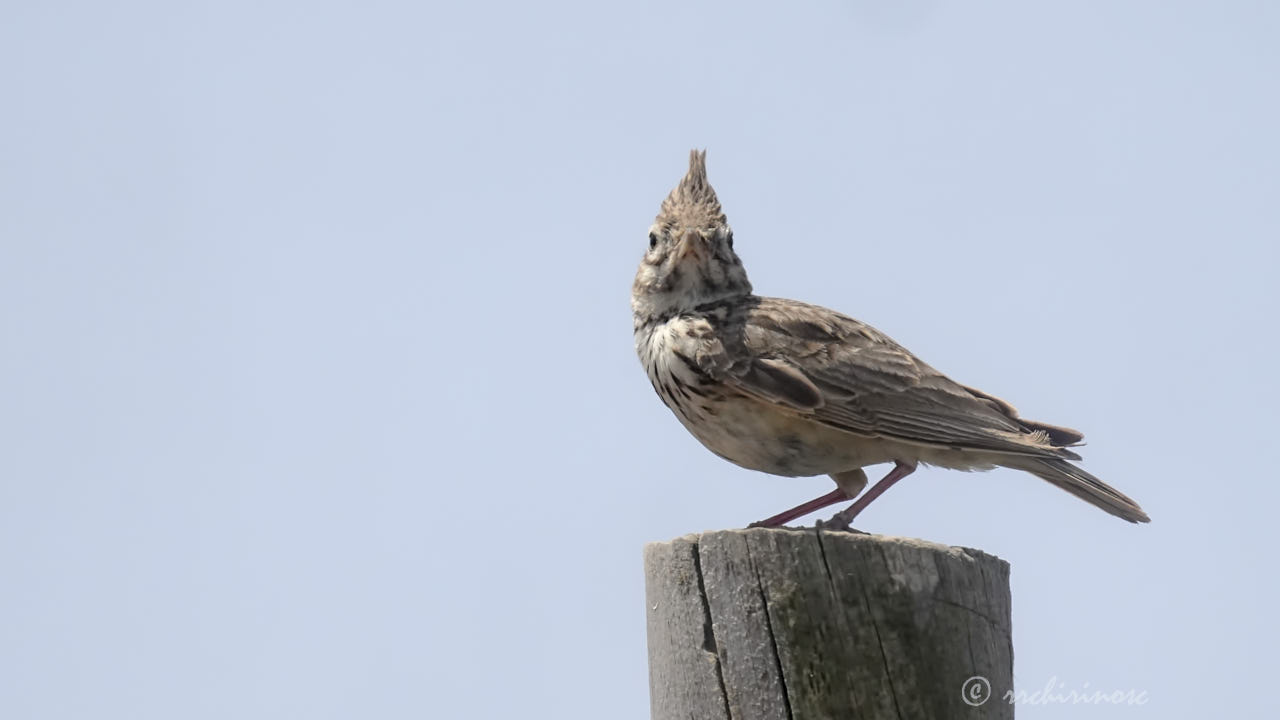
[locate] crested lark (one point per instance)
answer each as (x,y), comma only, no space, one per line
(799,390)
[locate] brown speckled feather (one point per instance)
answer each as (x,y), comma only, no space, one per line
(872,386)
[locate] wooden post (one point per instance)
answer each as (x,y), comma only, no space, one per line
(805,624)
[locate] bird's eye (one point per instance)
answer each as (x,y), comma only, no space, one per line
(653,241)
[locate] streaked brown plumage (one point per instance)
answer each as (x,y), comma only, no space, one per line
(794,389)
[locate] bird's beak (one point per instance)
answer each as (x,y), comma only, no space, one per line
(691,244)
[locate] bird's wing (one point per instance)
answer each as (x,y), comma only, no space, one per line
(848,375)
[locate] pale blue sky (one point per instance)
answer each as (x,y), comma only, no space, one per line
(319,396)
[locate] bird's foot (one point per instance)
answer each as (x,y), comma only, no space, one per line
(838,524)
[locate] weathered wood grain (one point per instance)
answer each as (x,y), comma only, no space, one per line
(790,624)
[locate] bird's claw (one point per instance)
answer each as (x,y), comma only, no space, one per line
(838,524)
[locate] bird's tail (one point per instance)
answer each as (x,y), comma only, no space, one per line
(1084,486)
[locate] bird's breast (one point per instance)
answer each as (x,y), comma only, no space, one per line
(745,431)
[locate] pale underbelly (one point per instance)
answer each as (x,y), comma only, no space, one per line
(759,437)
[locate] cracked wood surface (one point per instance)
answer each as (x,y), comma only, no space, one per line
(801,624)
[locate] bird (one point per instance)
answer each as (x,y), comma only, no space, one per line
(798,390)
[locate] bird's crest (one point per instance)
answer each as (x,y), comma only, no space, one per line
(693,202)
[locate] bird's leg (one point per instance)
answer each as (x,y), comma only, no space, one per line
(841,520)
(848,483)
(813,505)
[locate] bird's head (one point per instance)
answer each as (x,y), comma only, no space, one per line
(690,259)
